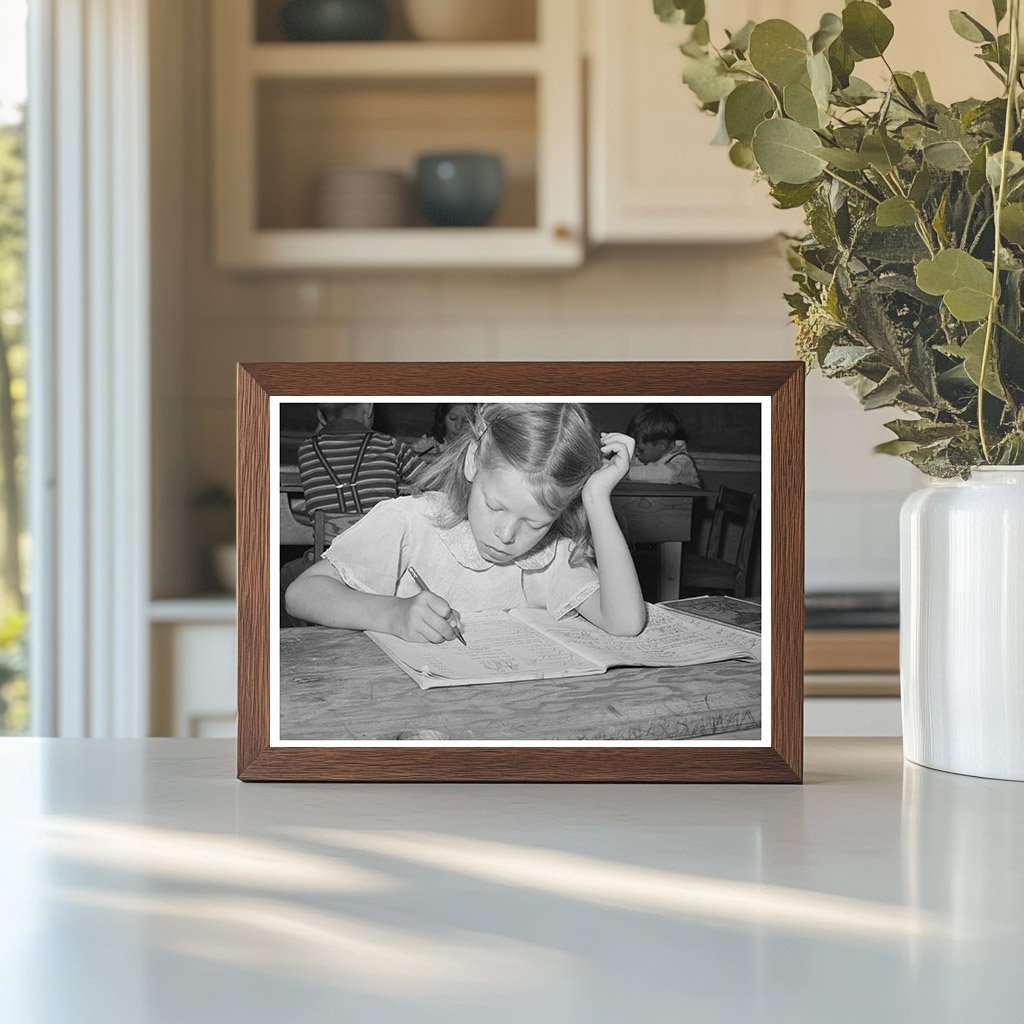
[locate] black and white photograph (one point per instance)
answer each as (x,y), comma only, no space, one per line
(506,570)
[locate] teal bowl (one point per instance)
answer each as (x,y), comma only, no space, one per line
(333,21)
(461,190)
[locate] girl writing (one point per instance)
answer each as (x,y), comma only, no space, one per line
(516,513)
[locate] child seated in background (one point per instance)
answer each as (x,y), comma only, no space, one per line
(347,467)
(661,454)
(449,422)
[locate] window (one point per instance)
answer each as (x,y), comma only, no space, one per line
(14,702)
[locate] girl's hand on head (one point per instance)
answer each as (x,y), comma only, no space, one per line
(619,451)
(425,619)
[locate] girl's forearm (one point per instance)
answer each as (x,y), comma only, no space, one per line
(329,602)
(621,607)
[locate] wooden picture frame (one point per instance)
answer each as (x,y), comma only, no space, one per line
(265,388)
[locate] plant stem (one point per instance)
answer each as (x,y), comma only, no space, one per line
(768,86)
(969,217)
(981,231)
(850,184)
(1012,334)
(922,225)
(993,308)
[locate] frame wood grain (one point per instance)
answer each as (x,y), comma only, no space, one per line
(782,761)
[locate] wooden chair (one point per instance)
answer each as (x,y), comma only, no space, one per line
(327,526)
(711,571)
(324,531)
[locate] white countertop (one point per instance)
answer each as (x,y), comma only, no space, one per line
(143,884)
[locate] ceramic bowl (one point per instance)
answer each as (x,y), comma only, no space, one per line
(470,20)
(334,20)
(461,189)
(360,197)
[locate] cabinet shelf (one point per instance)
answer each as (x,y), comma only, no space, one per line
(310,248)
(392,60)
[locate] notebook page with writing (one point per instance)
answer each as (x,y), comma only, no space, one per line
(668,639)
(498,648)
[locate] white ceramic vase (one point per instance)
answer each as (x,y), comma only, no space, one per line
(962,624)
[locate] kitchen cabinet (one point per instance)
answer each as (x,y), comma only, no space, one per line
(193,673)
(287,113)
(653,175)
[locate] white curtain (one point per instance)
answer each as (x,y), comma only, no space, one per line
(88,319)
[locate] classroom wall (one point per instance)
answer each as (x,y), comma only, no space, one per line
(731,428)
(698,302)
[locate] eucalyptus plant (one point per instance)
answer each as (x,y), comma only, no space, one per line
(910,278)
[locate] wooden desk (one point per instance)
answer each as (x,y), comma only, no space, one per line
(659,514)
(336,684)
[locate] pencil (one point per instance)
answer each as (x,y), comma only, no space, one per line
(419,582)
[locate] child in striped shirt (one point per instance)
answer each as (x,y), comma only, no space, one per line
(347,467)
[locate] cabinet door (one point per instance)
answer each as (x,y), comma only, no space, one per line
(653,174)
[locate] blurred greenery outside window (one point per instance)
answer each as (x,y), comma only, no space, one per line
(14,693)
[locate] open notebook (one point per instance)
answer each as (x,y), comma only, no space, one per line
(530,644)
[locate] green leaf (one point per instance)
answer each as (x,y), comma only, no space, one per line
(676,12)
(885,394)
(896,212)
(820,76)
(789,197)
(778,50)
(895,447)
(830,28)
(976,174)
(668,12)
(923,431)
(999,6)
(921,185)
(924,88)
(841,60)
(739,41)
(971,352)
(968,28)
(906,89)
(844,159)
(745,108)
(822,222)
(883,153)
(963,281)
(708,81)
(939,220)
(866,29)
(694,11)
(947,156)
(1012,223)
(800,105)
(785,152)
(742,155)
(1014,169)
(857,91)
(701,33)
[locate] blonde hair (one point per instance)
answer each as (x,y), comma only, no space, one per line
(554,445)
